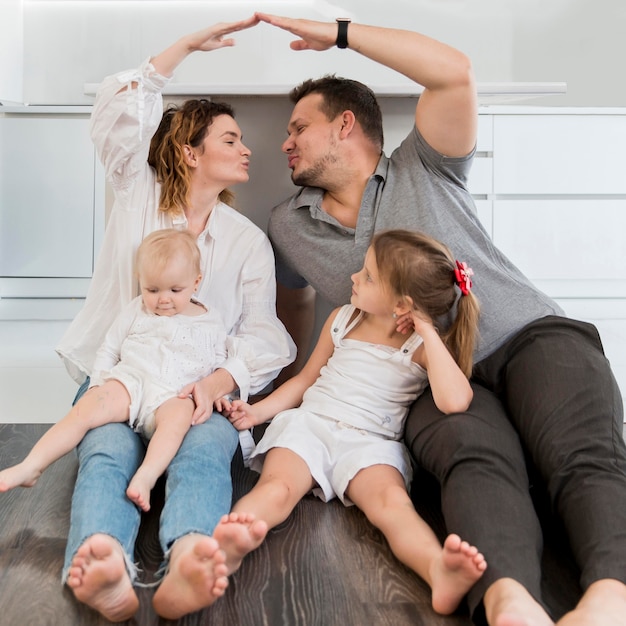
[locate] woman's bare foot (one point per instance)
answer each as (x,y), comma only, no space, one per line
(139,489)
(239,534)
(99,579)
(604,603)
(454,574)
(20,475)
(196,577)
(508,603)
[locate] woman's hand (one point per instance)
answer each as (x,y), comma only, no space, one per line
(204,40)
(212,38)
(223,405)
(206,392)
(313,35)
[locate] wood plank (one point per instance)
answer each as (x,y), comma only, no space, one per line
(325,565)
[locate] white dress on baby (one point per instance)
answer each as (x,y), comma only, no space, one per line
(155,356)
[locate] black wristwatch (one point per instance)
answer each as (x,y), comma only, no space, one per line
(342,32)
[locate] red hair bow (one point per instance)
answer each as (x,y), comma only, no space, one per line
(463,275)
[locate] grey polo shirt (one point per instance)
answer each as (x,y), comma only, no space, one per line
(419,189)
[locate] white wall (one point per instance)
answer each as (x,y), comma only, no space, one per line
(69,43)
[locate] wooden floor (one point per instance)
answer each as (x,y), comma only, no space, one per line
(325,566)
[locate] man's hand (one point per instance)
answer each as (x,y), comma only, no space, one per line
(313,35)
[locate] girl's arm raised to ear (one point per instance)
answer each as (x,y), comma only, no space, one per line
(451,389)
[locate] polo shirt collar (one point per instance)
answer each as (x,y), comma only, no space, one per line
(382,167)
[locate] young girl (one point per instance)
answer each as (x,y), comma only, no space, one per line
(353,396)
(161,341)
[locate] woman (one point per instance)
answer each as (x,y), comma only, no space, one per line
(167,171)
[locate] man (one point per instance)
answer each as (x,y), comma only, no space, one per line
(541,382)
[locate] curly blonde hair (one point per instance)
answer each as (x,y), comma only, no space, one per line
(180,126)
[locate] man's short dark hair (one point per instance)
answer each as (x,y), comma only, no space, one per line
(342,94)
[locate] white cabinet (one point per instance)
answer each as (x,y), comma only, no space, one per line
(571,247)
(549,186)
(11,51)
(51,205)
(559,154)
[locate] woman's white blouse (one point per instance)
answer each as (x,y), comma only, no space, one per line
(238,261)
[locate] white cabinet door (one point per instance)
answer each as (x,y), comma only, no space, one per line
(480,182)
(569,247)
(559,154)
(47,197)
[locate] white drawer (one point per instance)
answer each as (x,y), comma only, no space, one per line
(559,154)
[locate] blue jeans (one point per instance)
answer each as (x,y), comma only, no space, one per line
(198,488)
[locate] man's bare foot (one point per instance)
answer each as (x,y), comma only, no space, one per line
(453,575)
(195,579)
(508,603)
(139,489)
(604,603)
(239,534)
(99,579)
(20,475)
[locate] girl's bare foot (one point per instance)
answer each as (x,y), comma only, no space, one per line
(195,579)
(239,534)
(454,574)
(20,475)
(99,579)
(508,603)
(604,603)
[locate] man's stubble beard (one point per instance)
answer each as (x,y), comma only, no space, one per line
(315,176)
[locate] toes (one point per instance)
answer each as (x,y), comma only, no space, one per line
(207,548)
(258,530)
(221,571)
(453,542)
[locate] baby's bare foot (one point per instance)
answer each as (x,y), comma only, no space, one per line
(454,574)
(239,534)
(139,489)
(196,577)
(99,579)
(20,475)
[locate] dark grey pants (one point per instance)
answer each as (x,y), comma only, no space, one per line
(548,392)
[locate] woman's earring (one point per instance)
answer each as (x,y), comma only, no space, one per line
(394,315)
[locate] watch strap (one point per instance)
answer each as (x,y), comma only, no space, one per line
(342,32)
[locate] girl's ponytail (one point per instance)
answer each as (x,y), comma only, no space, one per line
(462,336)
